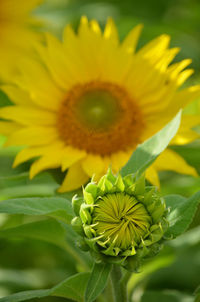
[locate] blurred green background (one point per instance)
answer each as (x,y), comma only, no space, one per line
(28,263)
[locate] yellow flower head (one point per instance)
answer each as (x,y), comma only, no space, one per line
(16,35)
(87,102)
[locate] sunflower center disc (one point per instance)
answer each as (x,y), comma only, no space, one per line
(100,118)
(121,219)
(98,110)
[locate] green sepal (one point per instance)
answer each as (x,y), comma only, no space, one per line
(110,176)
(148,196)
(131,189)
(156,233)
(164,224)
(130,252)
(112,250)
(133,264)
(158,213)
(88,197)
(140,186)
(92,243)
(119,184)
(89,231)
(151,207)
(92,189)
(76,204)
(129,180)
(77,225)
(144,248)
(84,214)
(82,245)
(154,249)
(105,185)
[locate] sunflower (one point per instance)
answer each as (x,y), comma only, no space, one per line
(87,102)
(16,35)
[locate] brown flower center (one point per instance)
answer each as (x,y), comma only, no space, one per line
(101,118)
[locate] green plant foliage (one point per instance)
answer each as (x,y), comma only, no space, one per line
(182,211)
(147,152)
(67,289)
(55,207)
(48,230)
(166,296)
(38,246)
(97,281)
(197,294)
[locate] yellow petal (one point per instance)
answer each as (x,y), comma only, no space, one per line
(68,35)
(65,61)
(12,7)
(184,97)
(17,95)
(32,136)
(51,160)
(43,91)
(93,164)
(185,133)
(183,76)
(186,137)
(130,42)
(155,47)
(60,62)
(8,127)
(29,153)
(189,121)
(110,31)
(28,115)
(71,156)
(170,160)
(166,59)
(95,27)
(176,68)
(152,176)
(84,24)
(74,179)
(119,159)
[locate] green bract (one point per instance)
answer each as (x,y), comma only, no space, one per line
(120,219)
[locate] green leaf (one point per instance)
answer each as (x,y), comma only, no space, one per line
(146,153)
(149,268)
(55,207)
(97,281)
(182,211)
(197,294)
(72,288)
(166,296)
(48,230)
(27,295)
(51,231)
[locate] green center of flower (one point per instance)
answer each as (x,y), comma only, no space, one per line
(98,109)
(121,219)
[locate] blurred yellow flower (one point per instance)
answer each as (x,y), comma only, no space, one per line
(16,33)
(87,102)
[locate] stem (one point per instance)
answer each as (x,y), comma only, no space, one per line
(126,277)
(118,284)
(102,299)
(109,294)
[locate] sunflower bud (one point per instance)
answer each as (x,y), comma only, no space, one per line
(123,221)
